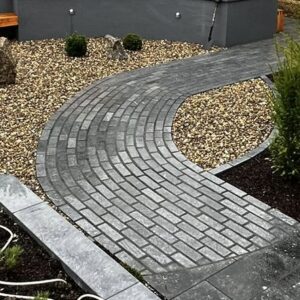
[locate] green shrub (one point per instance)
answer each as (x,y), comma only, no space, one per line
(132,42)
(11,257)
(76,45)
(285,149)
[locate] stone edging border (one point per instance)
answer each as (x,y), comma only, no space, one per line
(251,154)
(87,264)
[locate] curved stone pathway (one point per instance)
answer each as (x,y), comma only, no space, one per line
(107,160)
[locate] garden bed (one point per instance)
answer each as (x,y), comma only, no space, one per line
(257,179)
(34,265)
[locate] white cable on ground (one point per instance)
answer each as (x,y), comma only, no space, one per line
(89,296)
(32,282)
(19,296)
(9,240)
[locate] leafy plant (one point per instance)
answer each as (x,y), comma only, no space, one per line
(132,42)
(11,256)
(285,149)
(76,45)
(42,296)
(133,272)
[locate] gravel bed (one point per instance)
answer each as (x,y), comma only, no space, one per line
(46,78)
(220,125)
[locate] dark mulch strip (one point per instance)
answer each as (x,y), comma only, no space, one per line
(35,264)
(257,179)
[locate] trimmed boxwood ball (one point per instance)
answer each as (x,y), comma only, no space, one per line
(132,42)
(76,45)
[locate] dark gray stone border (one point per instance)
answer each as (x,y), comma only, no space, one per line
(88,265)
(251,154)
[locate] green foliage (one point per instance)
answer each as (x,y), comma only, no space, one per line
(76,45)
(285,149)
(42,296)
(11,256)
(132,42)
(133,272)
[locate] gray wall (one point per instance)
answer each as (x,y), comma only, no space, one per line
(6,6)
(152,19)
(249,19)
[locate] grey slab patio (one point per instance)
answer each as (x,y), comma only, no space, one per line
(107,160)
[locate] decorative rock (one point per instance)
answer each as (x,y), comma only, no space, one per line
(117,50)
(7,63)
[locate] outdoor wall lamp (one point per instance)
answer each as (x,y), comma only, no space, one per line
(71,12)
(178,15)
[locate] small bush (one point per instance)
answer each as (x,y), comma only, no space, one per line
(132,42)
(285,149)
(11,257)
(76,45)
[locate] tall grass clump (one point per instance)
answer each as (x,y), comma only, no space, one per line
(285,149)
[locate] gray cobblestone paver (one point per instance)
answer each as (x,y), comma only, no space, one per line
(107,160)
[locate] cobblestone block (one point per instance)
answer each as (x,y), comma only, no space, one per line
(236,238)
(210,222)
(219,237)
(90,215)
(165,235)
(162,245)
(188,251)
(210,254)
(188,240)
(108,244)
(131,248)
(165,224)
(135,237)
(238,229)
(197,234)
(88,227)
(194,222)
(157,255)
(215,246)
(261,232)
(183,260)
(142,219)
(234,217)
(110,219)
(168,215)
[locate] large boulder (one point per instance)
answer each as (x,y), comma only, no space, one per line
(7,63)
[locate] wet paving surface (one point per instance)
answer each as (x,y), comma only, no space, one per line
(272,273)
